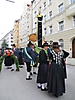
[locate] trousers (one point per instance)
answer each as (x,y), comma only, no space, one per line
(28,66)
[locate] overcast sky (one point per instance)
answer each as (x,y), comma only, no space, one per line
(9,12)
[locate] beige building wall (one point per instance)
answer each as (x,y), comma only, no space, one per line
(62,11)
(20,31)
(67,36)
(25,25)
(16,33)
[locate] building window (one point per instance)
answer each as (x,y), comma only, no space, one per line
(11,37)
(74,21)
(11,34)
(44,18)
(50,1)
(61,43)
(61,25)
(50,14)
(35,13)
(27,26)
(72,1)
(11,41)
(50,29)
(45,31)
(44,5)
(61,6)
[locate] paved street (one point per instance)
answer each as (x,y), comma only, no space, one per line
(13,86)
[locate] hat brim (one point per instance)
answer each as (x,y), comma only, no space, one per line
(45,45)
(13,45)
(55,46)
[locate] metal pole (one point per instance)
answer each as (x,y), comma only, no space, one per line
(10,1)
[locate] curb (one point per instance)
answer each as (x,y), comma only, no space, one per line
(70,65)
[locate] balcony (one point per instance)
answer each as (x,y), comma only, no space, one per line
(70,11)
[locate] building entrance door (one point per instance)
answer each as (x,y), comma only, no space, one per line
(73,48)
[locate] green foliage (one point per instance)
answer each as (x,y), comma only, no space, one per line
(15,61)
(4,44)
(37,49)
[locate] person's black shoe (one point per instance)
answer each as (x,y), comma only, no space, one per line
(34,73)
(29,78)
(56,96)
(9,67)
(45,89)
(17,70)
(12,69)
(42,89)
(39,87)
(61,94)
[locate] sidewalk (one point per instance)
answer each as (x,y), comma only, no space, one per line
(70,61)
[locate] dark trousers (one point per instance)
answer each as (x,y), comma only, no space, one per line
(28,66)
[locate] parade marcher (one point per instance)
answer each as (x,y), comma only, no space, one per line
(64,63)
(21,59)
(29,58)
(56,82)
(8,60)
(43,67)
(16,53)
(33,69)
(15,50)
(0,52)
(3,50)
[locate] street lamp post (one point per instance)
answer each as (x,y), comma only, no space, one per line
(39,31)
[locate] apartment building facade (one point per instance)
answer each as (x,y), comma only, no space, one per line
(20,31)
(58,22)
(16,33)
(8,38)
(25,25)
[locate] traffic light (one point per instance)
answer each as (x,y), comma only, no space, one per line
(39,30)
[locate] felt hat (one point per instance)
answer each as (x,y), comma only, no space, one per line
(55,45)
(30,43)
(13,45)
(45,44)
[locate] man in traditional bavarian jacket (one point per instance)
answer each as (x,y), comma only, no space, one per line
(29,58)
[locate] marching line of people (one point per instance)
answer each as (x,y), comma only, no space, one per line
(9,61)
(51,70)
(51,73)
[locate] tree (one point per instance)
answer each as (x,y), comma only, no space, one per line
(4,44)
